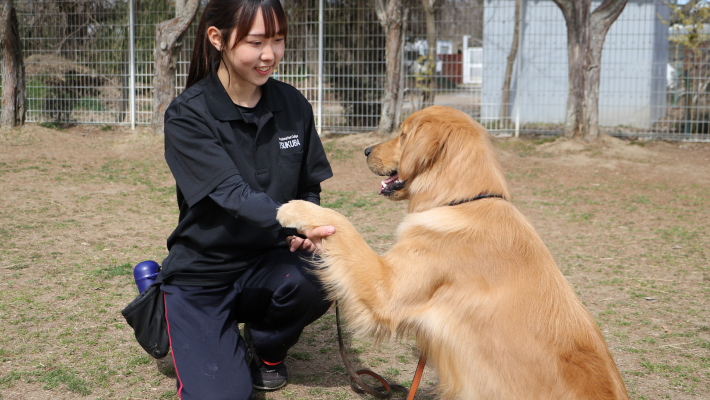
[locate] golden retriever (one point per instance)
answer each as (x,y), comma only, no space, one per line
(468,276)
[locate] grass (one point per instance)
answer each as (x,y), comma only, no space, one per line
(118,270)
(336,151)
(76,219)
(348,202)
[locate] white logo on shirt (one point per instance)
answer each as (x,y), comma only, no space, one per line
(289,142)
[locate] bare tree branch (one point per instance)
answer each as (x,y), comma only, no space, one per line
(605,15)
(381,13)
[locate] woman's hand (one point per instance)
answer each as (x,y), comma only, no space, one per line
(314,243)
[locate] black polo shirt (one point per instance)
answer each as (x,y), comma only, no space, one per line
(208,143)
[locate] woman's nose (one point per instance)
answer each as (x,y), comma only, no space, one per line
(268,53)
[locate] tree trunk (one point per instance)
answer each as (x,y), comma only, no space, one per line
(585,38)
(600,22)
(168,46)
(576,13)
(430,83)
(505,99)
(179,5)
(400,99)
(14,95)
(391,21)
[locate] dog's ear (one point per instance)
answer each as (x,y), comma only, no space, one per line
(421,143)
(444,143)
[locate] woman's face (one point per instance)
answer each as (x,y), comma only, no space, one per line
(255,57)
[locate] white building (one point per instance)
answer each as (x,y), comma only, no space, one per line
(633,72)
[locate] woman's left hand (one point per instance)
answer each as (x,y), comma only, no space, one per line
(314,235)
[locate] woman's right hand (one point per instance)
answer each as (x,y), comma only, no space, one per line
(314,241)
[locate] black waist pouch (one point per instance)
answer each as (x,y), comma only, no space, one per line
(146,315)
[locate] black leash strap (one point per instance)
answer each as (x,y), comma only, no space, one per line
(359,386)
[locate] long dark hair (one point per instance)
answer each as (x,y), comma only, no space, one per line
(226,15)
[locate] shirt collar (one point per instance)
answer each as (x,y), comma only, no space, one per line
(221,106)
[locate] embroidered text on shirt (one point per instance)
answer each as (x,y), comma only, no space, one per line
(289,142)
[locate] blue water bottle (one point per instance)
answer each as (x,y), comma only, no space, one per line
(144,273)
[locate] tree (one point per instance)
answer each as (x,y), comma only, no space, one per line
(505,100)
(431,36)
(390,17)
(693,12)
(349,70)
(585,38)
(14,95)
(689,22)
(168,45)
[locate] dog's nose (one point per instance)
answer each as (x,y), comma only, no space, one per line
(368,151)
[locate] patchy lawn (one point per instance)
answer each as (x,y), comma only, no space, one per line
(627,223)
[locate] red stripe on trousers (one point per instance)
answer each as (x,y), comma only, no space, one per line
(171,346)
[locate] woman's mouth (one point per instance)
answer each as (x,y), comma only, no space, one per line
(263,70)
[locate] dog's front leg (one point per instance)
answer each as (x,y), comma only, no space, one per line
(351,270)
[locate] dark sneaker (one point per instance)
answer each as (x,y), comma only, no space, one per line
(264,376)
(268,377)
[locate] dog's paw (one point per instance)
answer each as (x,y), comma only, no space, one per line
(298,214)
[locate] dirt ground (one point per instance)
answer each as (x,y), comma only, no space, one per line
(627,223)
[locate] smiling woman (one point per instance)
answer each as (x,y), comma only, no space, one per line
(250,60)
(239,25)
(239,145)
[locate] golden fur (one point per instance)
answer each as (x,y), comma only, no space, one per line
(474,282)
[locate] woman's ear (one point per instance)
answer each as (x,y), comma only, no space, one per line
(215,37)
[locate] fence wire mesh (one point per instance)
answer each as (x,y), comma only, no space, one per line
(75,55)
(76,60)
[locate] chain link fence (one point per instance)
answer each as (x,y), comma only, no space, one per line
(76,55)
(76,59)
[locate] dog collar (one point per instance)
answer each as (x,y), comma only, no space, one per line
(479,197)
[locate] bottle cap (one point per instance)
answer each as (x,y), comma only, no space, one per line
(144,274)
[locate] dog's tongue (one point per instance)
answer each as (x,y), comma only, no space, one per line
(387,181)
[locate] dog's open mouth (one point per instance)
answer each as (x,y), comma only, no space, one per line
(391,184)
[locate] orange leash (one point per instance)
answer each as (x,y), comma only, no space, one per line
(381,392)
(417,377)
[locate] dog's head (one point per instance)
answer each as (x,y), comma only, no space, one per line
(441,155)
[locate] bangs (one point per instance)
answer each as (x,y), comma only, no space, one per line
(271,11)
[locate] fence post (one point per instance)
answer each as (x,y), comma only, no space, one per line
(517,78)
(132,64)
(320,67)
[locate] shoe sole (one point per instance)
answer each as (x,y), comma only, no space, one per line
(247,339)
(268,389)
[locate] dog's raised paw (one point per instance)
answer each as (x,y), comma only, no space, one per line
(297,214)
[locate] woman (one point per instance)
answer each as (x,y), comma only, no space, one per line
(239,145)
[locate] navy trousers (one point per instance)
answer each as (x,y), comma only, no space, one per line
(279,297)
